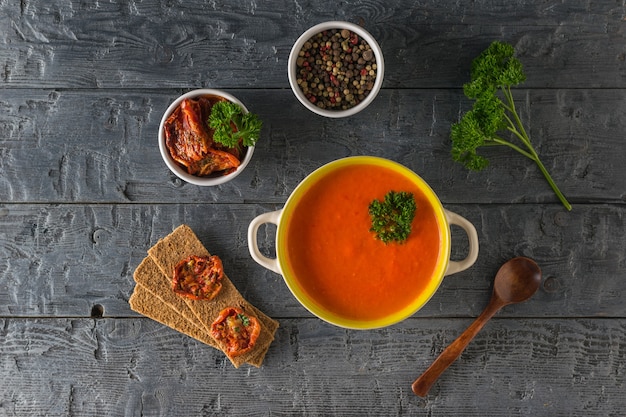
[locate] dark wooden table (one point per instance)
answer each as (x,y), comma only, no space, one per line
(84,193)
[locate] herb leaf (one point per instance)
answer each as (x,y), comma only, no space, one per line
(392,217)
(231,125)
(244,319)
(494,71)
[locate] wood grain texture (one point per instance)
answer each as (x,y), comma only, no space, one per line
(108,153)
(133,367)
(156,44)
(63,260)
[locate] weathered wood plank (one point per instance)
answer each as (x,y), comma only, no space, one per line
(133,367)
(154,44)
(101,146)
(62,260)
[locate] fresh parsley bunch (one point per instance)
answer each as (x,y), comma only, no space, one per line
(392,217)
(494,71)
(225,115)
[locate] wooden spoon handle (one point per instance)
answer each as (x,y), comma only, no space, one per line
(422,385)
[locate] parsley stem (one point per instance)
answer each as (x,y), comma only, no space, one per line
(532,154)
(501,141)
(555,188)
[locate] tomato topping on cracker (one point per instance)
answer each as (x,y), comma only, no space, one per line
(198,277)
(237,330)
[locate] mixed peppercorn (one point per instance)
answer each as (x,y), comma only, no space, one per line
(336,69)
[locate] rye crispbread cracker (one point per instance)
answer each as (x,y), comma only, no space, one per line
(149,276)
(151,279)
(142,301)
(182,243)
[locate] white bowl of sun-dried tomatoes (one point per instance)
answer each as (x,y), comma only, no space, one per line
(207,137)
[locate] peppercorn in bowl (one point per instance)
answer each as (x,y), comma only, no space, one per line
(207,137)
(336,69)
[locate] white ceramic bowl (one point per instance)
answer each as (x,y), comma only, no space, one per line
(292,68)
(180,171)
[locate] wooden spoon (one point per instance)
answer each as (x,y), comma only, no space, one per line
(516,281)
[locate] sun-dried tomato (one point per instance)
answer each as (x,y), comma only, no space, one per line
(189,139)
(216,160)
(198,277)
(186,136)
(237,330)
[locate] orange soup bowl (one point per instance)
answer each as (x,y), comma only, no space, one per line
(333,263)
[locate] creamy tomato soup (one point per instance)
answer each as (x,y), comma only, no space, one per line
(337,260)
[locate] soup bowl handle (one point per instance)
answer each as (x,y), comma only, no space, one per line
(470,230)
(269,263)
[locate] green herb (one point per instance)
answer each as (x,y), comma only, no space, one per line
(494,70)
(244,319)
(224,116)
(392,218)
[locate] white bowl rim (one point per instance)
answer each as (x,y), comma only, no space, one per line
(177,169)
(335,24)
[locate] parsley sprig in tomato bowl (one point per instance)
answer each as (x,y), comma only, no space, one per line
(207,137)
